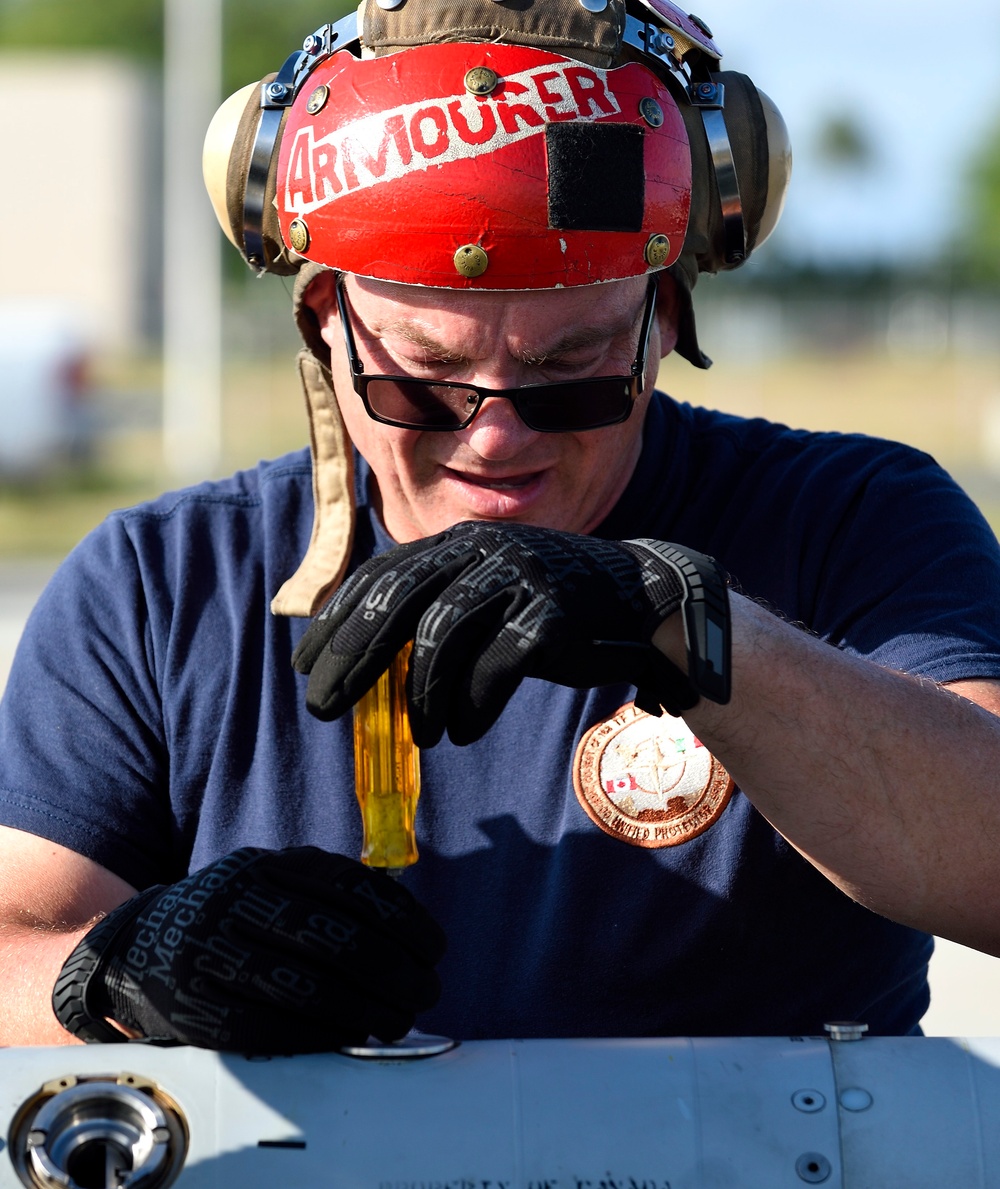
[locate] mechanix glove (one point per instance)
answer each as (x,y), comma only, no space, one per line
(487,605)
(289,951)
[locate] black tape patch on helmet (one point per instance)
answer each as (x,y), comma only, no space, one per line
(596,176)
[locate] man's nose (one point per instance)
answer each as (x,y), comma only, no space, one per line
(497,431)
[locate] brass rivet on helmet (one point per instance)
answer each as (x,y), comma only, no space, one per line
(317,99)
(298,235)
(651,111)
(480,80)
(471,260)
(657,250)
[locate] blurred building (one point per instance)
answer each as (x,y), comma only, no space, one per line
(82,241)
(79,205)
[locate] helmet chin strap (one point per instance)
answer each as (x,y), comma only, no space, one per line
(323,568)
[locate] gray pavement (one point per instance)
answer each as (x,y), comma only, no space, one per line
(965,985)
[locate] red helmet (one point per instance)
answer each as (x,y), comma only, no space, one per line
(484,166)
(487,145)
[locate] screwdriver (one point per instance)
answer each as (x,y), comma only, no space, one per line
(387,771)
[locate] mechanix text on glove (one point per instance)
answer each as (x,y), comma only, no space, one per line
(262,951)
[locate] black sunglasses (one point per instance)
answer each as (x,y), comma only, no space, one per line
(565,407)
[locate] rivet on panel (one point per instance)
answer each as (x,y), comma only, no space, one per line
(808,1101)
(657,250)
(298,235)
(471,260)
(651,111)
(813,1168)
(480,80)
(317,99)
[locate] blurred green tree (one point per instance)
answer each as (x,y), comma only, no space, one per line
(258,34)
(978,249)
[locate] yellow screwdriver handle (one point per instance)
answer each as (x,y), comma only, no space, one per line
(387,771)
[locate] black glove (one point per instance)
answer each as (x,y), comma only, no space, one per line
(289,951)
(487,605)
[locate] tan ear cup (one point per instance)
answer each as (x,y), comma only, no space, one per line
(217,151)
(225,165)
(762,158)
(779,166)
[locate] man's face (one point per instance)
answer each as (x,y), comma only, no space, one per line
(496,468)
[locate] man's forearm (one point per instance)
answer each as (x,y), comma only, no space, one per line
(886,783)
(30,961)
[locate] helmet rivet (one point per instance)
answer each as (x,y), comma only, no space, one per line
(298,235)
(657,250)
(480,80)
(471,260)
(276,90)
(317,99)
(594,5)
(651,111)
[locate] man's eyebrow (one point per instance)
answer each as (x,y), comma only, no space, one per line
(572,340)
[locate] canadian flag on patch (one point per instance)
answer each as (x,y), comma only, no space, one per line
(624,784)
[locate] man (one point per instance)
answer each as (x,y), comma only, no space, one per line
(481,308)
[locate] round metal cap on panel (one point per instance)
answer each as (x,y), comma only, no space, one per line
(651,111)
(480,80)
(657,250)
(471,260)
(298,235)
(317,99)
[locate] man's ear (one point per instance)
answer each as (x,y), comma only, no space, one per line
(321,295)
(667,313)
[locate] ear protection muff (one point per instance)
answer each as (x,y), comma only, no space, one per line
(740,158)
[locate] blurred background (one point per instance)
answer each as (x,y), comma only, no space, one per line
(137,352)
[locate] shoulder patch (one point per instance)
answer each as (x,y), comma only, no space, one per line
(648,781)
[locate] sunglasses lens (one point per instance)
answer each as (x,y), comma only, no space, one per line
(548,408)
(420,405)
(563,408)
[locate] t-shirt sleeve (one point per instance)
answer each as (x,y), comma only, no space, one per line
(83,760)
(910,574)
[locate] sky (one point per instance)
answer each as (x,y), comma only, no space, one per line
(923,83)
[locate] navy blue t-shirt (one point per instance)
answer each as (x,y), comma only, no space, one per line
(153,722)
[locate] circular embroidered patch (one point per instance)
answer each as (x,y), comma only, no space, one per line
(649,781)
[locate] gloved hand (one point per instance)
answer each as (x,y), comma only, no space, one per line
(487,605)
(288,951)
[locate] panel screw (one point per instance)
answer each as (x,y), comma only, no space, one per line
(480,80)
(651,111)
(317,99)
(298,235)
(808,1101)
(657,250)
(471,260)
(312,44)
(813,1168)
(701,25)
(845,1030)
(276,90)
